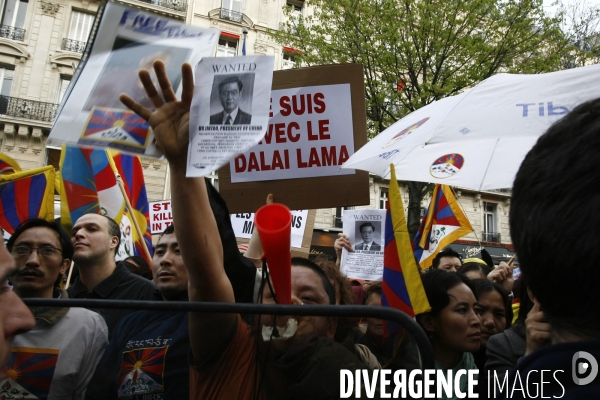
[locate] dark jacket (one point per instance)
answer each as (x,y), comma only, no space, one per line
(241,118)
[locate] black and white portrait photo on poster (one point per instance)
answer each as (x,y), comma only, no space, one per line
(231,99)
(368,235)
(230,110)
(366,231)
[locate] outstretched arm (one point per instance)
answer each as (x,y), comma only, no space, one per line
(195,225)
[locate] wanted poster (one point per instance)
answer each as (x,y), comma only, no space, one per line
(127,41)
(365,230)
(230,110)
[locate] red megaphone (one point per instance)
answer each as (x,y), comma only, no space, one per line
(274,225)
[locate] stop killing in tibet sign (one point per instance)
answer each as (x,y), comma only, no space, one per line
(309,135)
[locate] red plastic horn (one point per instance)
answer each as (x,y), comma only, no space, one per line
(274,225)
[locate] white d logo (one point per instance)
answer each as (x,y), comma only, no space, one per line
(582,367)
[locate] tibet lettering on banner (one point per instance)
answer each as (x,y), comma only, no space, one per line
(127,40)
(366,231)
(243,225)
(229,112)
(309,135)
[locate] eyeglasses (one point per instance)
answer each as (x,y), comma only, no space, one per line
(44,251)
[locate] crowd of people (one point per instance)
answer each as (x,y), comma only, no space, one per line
(75,353)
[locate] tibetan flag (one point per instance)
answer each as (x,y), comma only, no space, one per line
(443,223)
(402,286)
(132,174)
(8,165)
(25,195)
(117,128)
(89,185)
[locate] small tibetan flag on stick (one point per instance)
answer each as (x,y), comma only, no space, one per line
(402,286)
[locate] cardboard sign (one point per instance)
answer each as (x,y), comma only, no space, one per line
(313,179)
(298,142)
(243,225)
(161,216)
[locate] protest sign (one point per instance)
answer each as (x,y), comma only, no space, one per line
(237,90)
(127,40)
(366,231)
(161,216)
(318,120)
(243,225)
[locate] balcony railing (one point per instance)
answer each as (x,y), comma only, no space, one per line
(492,237)
(73,45)
(10,32)
(177,5)
(29,109)
(231,15)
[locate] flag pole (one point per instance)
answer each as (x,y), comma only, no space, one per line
(69,276)
(134,220)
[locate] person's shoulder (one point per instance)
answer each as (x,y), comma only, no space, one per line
(216,117)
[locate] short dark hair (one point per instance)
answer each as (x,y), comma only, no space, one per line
(375,288)
(305,262)
(114,230)
(447,252)
(437,283)
(169,230)
(63,237)
(553,221)
(474,266)
(360,228)
(486,286)
(231,79)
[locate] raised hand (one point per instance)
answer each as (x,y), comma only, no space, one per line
(170,120)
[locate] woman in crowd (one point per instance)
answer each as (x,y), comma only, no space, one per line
(494,310)
(453,326)
(475,268)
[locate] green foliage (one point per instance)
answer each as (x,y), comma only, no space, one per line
(439,48)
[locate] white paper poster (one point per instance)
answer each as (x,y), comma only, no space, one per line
(160,216)
(243,225)
(310,134)
(128,39)
(230,110)
(366,231)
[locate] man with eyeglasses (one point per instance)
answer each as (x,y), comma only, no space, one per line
(57,358)
(230,92)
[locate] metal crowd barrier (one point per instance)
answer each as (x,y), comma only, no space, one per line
(402,319)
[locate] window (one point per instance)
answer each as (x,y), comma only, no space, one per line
(53,157)
(14,13)
(81,24)
(383,198)
(227,47)
(63,84)
(490,228)
(295,8)
(7,75)
(231,10)
(288,61)
(338,218)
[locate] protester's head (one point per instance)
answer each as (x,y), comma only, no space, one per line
(42,251)
(475,268)
(452,325)
(170,275)
(373,298)
(494,308)
(137,265)
(309,286)
(230,90)
(95,237)
(447,260)
(554,220)
(15,317)
(367,231)
(344,295)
